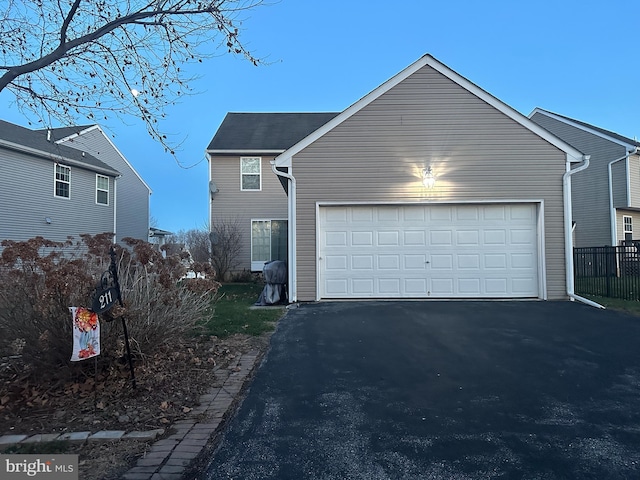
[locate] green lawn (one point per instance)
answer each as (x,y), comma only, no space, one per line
(627,287)
(628,306)
(232,312)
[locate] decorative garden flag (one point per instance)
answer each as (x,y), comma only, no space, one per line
(86,334)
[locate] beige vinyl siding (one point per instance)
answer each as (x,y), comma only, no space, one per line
(230,204)
(634,179)
(590,188)
(635,216)
(477,154)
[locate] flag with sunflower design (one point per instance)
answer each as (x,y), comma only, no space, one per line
(86,334)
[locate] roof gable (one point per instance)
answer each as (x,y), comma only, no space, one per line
(264,132)
(37,142)
(284,159)
(601,132)
(67,135)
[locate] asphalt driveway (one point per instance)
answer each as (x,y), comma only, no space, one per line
(441,390)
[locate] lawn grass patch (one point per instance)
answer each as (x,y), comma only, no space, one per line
(232,312)
(627,306)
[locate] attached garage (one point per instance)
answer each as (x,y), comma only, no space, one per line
(429,251)
(429,187)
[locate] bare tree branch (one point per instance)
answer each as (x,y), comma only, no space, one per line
(67,59)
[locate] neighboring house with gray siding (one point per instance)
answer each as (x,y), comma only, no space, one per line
(54,190)
(427,187)
(131,191)
(605,196)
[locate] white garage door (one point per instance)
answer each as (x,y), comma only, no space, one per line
(418,251)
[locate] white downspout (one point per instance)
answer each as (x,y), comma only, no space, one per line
(115,207)
(568,236)
(612,210)
(291,234)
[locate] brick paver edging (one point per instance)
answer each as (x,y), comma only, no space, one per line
(169,458)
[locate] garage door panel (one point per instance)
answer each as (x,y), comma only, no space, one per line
(469,287)
(389,262)
(415,287)
(442,287)
(437,251)
(336,262)
(362,262)
(441,237)
(335,239)
(468,237)
(362,239)
(415,262)
(389,238)
(415,238)
(388,287)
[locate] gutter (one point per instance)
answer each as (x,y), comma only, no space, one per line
(291,234)
(612,211)
(58,158)
(568,237)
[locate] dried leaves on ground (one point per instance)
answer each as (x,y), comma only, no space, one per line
(169,383)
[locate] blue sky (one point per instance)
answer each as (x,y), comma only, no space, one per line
(576,58)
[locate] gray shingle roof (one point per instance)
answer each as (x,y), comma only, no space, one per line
(37,140)
(609,133)
(266,131)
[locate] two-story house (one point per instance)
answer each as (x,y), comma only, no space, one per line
(245,193)
(67,182)
(426,187)
(605,196)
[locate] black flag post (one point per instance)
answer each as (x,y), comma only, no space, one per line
(107,293)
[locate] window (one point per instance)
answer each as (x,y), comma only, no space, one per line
(628,227)
(250,178)
(62,181)
(268,242)
(102,190)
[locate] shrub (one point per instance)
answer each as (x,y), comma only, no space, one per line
(41,279)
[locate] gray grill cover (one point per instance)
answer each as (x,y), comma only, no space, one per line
(275,277)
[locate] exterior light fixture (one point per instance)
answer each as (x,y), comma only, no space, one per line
(428,178)
(47,219)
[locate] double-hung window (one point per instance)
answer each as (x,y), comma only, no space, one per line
(628,227)
(102,190)
(268,242)
(62,181)
(250,177)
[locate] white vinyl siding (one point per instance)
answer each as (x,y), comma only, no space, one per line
(268,242)
(250,174)
(62,181)
(102,190)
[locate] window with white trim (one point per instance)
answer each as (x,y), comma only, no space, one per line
(268,242)
(62,181)
(627,222)
(102,190)
(250,177)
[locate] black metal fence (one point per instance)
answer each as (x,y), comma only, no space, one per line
(608,271)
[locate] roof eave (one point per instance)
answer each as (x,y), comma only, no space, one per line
(57,158)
